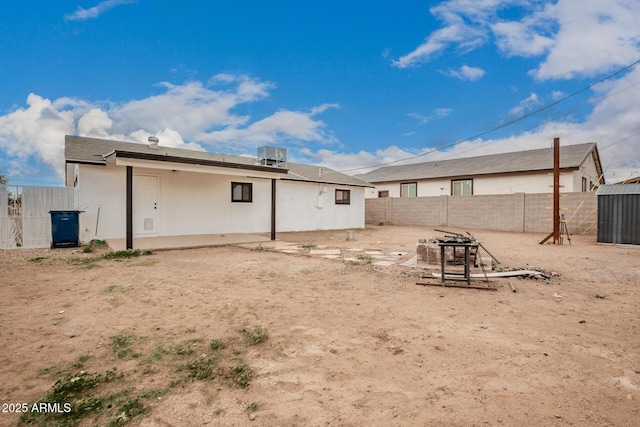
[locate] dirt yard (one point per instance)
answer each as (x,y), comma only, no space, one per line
(179,338)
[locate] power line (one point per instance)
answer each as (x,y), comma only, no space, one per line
(563,114)
(503,125)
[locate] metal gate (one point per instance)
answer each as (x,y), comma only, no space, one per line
(25,221)
(4,217)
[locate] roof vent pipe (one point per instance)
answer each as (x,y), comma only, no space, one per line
(153,142)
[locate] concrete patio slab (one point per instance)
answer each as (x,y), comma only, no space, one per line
(373,252)
(324,252)
(383,263)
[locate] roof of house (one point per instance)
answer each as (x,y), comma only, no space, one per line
(95,151)
(571,157)
(614,189)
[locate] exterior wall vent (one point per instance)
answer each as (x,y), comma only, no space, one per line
(272,156)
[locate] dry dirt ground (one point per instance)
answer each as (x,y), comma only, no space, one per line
(177,338)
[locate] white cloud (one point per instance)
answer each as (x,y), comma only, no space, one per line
(188,116)
(95,124)
(222,78)
(464,27)
(167,137)
(592,37)
(82,14)
(350,162)
(322,108)
(190,108)
(532,36)
(284,125)
(575,38)
(443,112)
(525,105)
(438,113)
(422,119)
(37,130)
(464,35)
(467,73)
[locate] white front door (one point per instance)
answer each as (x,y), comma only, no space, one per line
(145,204)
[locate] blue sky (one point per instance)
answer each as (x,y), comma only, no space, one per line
(348,85)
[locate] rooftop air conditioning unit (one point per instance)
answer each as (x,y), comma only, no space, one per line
(272,156)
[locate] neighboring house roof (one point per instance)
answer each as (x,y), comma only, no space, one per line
(95,151)
(613,189)
(571,157)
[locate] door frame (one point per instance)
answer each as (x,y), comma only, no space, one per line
(155,232)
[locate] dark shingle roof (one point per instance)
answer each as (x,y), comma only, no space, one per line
(571,156)
(93,150)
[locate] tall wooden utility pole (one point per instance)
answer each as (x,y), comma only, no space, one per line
(556,194)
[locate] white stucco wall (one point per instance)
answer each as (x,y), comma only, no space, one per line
(101,189)
(531,184)
(200,203)
(587,170)
(496,184)
(309,206)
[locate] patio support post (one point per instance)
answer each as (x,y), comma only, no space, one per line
(129,214)
(273,209)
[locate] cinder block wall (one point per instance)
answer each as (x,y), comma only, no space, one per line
(579,209)
(529,213)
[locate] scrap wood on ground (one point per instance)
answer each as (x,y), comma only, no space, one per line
(450,241)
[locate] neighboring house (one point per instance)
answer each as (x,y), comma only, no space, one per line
(128,190)
(506,173)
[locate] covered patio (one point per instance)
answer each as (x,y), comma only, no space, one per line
(157,243)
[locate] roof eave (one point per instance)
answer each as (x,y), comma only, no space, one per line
(85,162)
(313,181)
(598,164)
(193,161)
(469,176)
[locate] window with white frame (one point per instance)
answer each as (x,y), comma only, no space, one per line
(462,187)
(409,189)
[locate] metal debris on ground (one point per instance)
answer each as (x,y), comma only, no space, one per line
(455,249)
(462,238)
(427,282)
(524,274)
(528,272)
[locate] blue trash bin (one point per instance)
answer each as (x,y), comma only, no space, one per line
(65,229)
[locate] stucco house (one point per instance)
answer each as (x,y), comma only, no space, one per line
(505,173)
(132,191)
